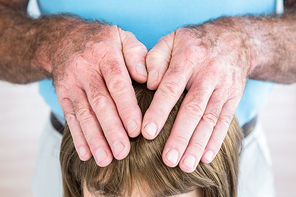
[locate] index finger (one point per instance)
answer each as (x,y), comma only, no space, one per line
(119,85)
(166,96)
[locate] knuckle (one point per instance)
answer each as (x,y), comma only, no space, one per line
(182,141)
(137,48)
(112,66)
(193,110)
(80,64)
(198,145)
(210,118)
(171,89)
(153,55)
(81,68)
(202,52)
(196,50)
(134,46)
(191,56)
(97,90)
(225,120)
(118,86)
(99,102)
(84,115)
(66,103)
(70,117)
(98,51)
(212,74)
(176,72)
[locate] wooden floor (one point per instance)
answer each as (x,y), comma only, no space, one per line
(23,114)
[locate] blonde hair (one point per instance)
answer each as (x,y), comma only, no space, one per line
(144,169)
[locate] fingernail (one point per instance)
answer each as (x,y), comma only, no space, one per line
(131,126)
(189,161)
(172,156)
(82,151)
(209,155)
(101,155)
(153,76)
(141,69)
(150,129)
(117,148)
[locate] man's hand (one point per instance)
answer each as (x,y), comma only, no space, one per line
(91,63)
(91,70)
(212,62)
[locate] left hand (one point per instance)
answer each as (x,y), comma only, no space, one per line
(212,62)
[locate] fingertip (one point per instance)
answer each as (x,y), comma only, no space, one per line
(139,73)
(102,158)
(186,169)
(120,150)
(105,162)
(141,70)
(153,82)
(171,157)
(208,157)
(149,131)
(133,128)
(84,153)
(158,60)
(135,56)
(135,134)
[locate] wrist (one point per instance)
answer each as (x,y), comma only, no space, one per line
(266,45)
(245,30)
(253,27)
(272,44)
(232,39)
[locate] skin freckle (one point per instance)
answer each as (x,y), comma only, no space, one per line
(96,88)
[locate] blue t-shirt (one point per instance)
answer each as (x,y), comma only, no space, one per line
(149,20)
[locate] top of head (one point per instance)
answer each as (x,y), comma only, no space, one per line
(143,169)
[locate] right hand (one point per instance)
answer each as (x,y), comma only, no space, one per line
(212,62)
(91,71)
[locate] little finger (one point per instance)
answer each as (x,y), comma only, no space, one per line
(202,133)
(91,129)
(220,130)
(79,140)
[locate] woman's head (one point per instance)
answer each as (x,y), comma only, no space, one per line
(143,173)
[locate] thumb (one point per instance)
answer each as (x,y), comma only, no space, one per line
(134,53)
(158,59)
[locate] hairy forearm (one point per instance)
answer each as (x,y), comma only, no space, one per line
(263,46)
(18,47)
(273,47)
(30,47)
